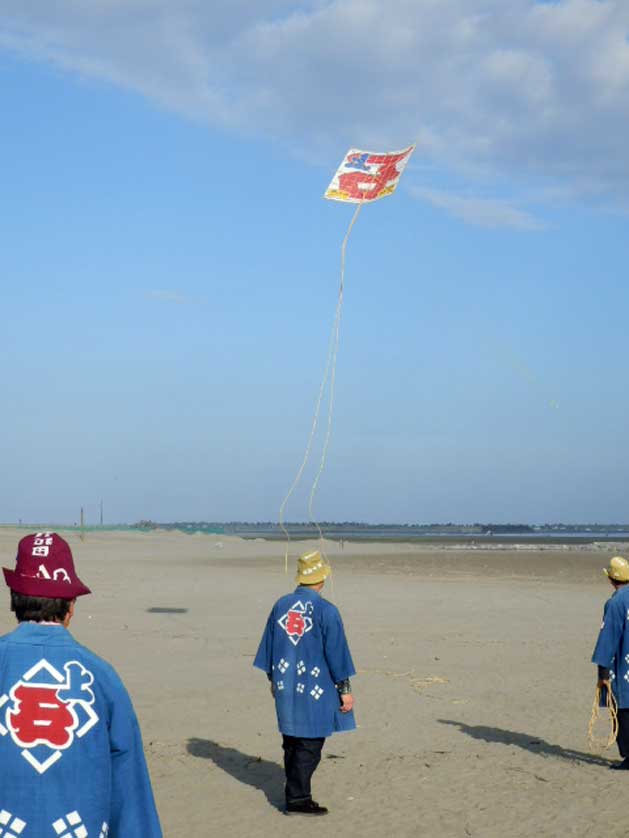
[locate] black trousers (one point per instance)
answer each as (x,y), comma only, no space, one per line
(301,757)
(623,733)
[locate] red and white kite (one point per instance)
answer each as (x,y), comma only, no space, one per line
(365,176)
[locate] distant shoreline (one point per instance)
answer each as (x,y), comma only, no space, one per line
(369,534)
(453,540)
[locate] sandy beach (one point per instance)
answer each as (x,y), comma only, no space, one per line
(473,692)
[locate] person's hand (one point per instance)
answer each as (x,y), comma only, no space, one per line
(347,702)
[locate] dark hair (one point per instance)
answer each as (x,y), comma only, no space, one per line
(39,609)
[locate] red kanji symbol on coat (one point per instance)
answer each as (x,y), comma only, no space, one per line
(40,717)
(295,623)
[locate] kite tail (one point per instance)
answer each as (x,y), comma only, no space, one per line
(328,374)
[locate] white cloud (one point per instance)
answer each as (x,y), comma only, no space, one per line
(528,89)
(171,297)
(483,212)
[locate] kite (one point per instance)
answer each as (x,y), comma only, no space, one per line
(362,177)
(366,176)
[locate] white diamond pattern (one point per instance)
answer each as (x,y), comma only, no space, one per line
(300,688)
(315,672)
(10,827)
(316,692)
(301,667)
(279,685)
(64,826)
(283,666)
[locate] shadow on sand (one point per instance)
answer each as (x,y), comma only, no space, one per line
(266,776)
(527,742)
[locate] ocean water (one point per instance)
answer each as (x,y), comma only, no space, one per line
(359,533)
(402,533)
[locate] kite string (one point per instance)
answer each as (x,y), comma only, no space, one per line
(330,364)
(300,471)
(336,331)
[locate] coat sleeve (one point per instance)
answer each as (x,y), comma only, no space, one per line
(133,810)
(610,634)
(335,648)
(264,657)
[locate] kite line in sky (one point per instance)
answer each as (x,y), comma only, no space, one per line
(362,177)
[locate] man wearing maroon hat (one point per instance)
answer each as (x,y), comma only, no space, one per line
(71,758)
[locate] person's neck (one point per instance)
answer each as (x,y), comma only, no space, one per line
(46,623)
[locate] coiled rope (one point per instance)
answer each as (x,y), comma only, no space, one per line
(597,743)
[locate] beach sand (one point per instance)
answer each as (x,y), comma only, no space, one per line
(473,692)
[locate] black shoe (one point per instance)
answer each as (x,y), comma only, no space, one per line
(621,766)
(305,807)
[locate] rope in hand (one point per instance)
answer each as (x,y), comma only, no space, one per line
(328,375)
(597,743)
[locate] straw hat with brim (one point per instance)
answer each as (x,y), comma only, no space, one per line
(45,568)
(312,568)
(618,569)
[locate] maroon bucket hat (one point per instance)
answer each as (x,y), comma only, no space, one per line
(44,568)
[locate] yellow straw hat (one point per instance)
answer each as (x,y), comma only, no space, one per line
(312,568)
(618,569)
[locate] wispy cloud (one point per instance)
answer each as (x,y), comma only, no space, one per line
(482,212)
(171,297)
(518,87)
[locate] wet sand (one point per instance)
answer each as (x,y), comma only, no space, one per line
(473,691)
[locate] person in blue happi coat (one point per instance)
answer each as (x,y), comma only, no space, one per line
(71,758)
(611,653)
(305,655)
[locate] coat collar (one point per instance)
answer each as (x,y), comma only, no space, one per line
(304,589)
(38,633)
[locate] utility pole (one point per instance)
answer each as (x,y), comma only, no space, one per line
(101,513)
(82,533)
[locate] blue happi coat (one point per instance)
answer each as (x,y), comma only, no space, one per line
(71,757)
(305,654)
(612,646)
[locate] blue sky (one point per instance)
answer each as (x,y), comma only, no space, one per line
(169,268)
